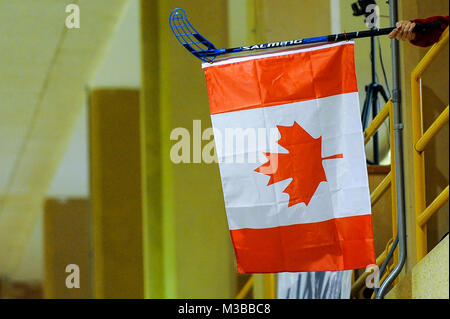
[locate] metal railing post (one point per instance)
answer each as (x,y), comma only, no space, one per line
(398,126)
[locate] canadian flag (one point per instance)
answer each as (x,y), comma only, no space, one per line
(300,200)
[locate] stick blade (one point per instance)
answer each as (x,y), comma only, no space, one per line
(193,41)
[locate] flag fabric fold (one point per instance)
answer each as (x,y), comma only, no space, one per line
(291,156)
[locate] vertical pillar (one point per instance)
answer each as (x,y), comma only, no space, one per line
(66,242)
(151,152)
(187,246)
(116,193)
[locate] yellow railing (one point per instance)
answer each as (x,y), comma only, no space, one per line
(269,287)
(389,180)
(420,141)
(246,289)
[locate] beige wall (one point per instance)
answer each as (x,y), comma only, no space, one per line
(287,20)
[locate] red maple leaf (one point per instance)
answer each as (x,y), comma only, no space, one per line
(303,164)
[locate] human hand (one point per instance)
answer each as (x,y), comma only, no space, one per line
(403,31)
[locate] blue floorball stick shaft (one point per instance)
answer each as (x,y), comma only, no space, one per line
(203,49)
